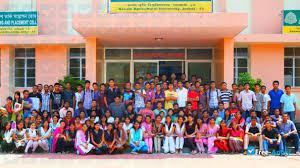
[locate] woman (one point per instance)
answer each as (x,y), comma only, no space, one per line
(158,133)
(126,127)
(46,116)
(109,138)
(59,138)
(193,97)
(130,112)
(45,134)
(120,138)
(19,118)
(190,132)
(222,137)
(212,129)
(236,139)
(148,133)
(179,132)
(169,145)
(17,106)
(97,139)
(7,144)
(103,124)
(239,120)
(32,138)
(54,123)
(136,143)
(201,138)
(68,119)
(77,123)
(70,138)
(227,117)
(19,137)
(82,141)
(82,117)
(159,97)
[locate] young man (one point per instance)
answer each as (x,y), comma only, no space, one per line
(63,111)
(276,117)
(202,97)
(96,94)
(213,97)
(111,93)
(140,95)
(259,100)
(159,108)
(275,95)
(271,137)
(46,99)
(27,106)
(171,96)
(288,103)
(235,93)
(56,98)
(148,78)
(267,98)
(221,110)
(225,95)
(69,95)
(253,134)
(117,108)
(128,94)
(247,101)
(288,132)
(252,115)
(36,98)
(159,97)
(181,95)
(193,97)
(102,97)
(78,95)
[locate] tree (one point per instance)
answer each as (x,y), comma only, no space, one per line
(74,82)
(247,78)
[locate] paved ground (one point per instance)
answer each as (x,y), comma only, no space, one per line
(146,161)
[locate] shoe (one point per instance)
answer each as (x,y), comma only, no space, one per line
(245,152)
(194,152)
(134,153)
(297,153)
(180,151)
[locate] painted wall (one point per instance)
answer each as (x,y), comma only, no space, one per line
(6,72)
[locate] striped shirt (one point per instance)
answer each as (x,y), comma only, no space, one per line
(225,95)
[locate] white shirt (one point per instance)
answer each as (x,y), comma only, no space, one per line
(267,98)
(63,112)
(181,96)
(247,99)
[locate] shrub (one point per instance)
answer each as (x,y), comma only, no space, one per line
(74,82)
(247,78)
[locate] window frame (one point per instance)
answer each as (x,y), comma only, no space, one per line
(293,57)
(236,58)
(81,58)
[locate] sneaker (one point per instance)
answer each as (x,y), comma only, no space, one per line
(134,153)
(245,152)
(194,152)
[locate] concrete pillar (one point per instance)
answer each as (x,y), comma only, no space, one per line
(6,88)
(91,58)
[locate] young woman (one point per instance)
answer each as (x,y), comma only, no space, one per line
(19,137)
(70,139)
(109,138)
(77,123)
(45,134)
(46,116)
(68,119)
(26,123)
(59,138)
(227,117)
(212,129)
(126,127)
(136,141)
(169,145)
(120,138)
(236,139)
(148,133)
(222,137)
(32,138)
(158,133)
(201,138)
(54,123)
(82,117)
(97,139)
(103,124)
(179,132)
(14,123)
(239,120)
(190,133)
(7,144)
(82,141)
(17,106)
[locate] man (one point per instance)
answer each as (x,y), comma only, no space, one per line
(80,109)
(259,100)
(288,103)
(213,97)
(276,117)
(128,94)
(247,101)
(159,108)
(95,108)
(27,105)
(253,134)
(36,98)
(117,108)
(140,96)
(63,111)
(181,95)
(156,80)
(69,95)
(271,137)
(78,95)
(102,97)
(235,93)
(252,115)
(40,88)
(221,110)
(183,78)
(87,95)
(148,78)
(267,98)
(56,98)
(46,99)
(288,132)
(111,93)
(202,97)
(171,96)
(97,93)
(225,95)
(193,97)
(275,95)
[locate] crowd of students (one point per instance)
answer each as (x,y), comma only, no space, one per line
(155,115)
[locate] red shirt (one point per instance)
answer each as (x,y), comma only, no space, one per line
(193,95)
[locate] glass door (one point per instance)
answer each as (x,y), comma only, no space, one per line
(144,67)
(168,67)
(200,69)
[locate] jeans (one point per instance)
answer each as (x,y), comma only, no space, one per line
(291,115)
(295,139)
(137,109)
(246,114)
(267,144)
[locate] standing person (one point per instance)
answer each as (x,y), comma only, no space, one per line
(288,103)
(247,101)
(271,137)
(63,111)
(45,133)
(158,133)
(179,132)
(40,88)
(159,97)
(150,94)
(46,99)
(111,93)
(32,138)
(17,106)
(102,99)
(136,140)
(69,95)
(236,138)
(7,144)
(225,95)
(148,133)
(78,95)
(36,98)
(169,145)
(117,108)
(267,98)
(193,97)
(253,133)
(213,97)
(128,94)
(82,141)
(223,135)
(140,96)
(235,93)
(56,98)
(88,94)
(27,104)
(275,95)
(259,100)
(171,96)
(202,97)
(96,94)
(182,94)
(148,78)
(19,137)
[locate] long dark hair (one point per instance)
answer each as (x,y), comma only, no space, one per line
(20,99)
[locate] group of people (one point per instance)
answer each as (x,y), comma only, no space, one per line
(153,115)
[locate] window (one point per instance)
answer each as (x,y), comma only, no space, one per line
(199,54)
(77,63)
(24,74)
(292,66)
(118,54)
(119,71)
(22,5)
(240,62)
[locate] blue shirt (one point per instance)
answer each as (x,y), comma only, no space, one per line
(221,113)
(275,98)
(287,127)
(288,102)
(248,120)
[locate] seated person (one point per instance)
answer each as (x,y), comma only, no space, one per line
(271,137)
(252,114)
(276,117)
(253,133)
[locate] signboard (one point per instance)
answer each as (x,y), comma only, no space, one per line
(291,22)
(18,23)
(136,6)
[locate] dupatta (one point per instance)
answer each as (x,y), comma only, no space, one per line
(54,140)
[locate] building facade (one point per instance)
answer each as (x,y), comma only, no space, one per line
(86,39)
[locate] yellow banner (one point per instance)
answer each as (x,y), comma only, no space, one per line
(128,7)
(291,29)
(18,30)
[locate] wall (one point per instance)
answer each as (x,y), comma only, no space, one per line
(6,72)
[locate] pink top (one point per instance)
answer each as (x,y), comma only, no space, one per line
(145,112)
(202,129)
(147,127)
(236,133)
(212,130)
